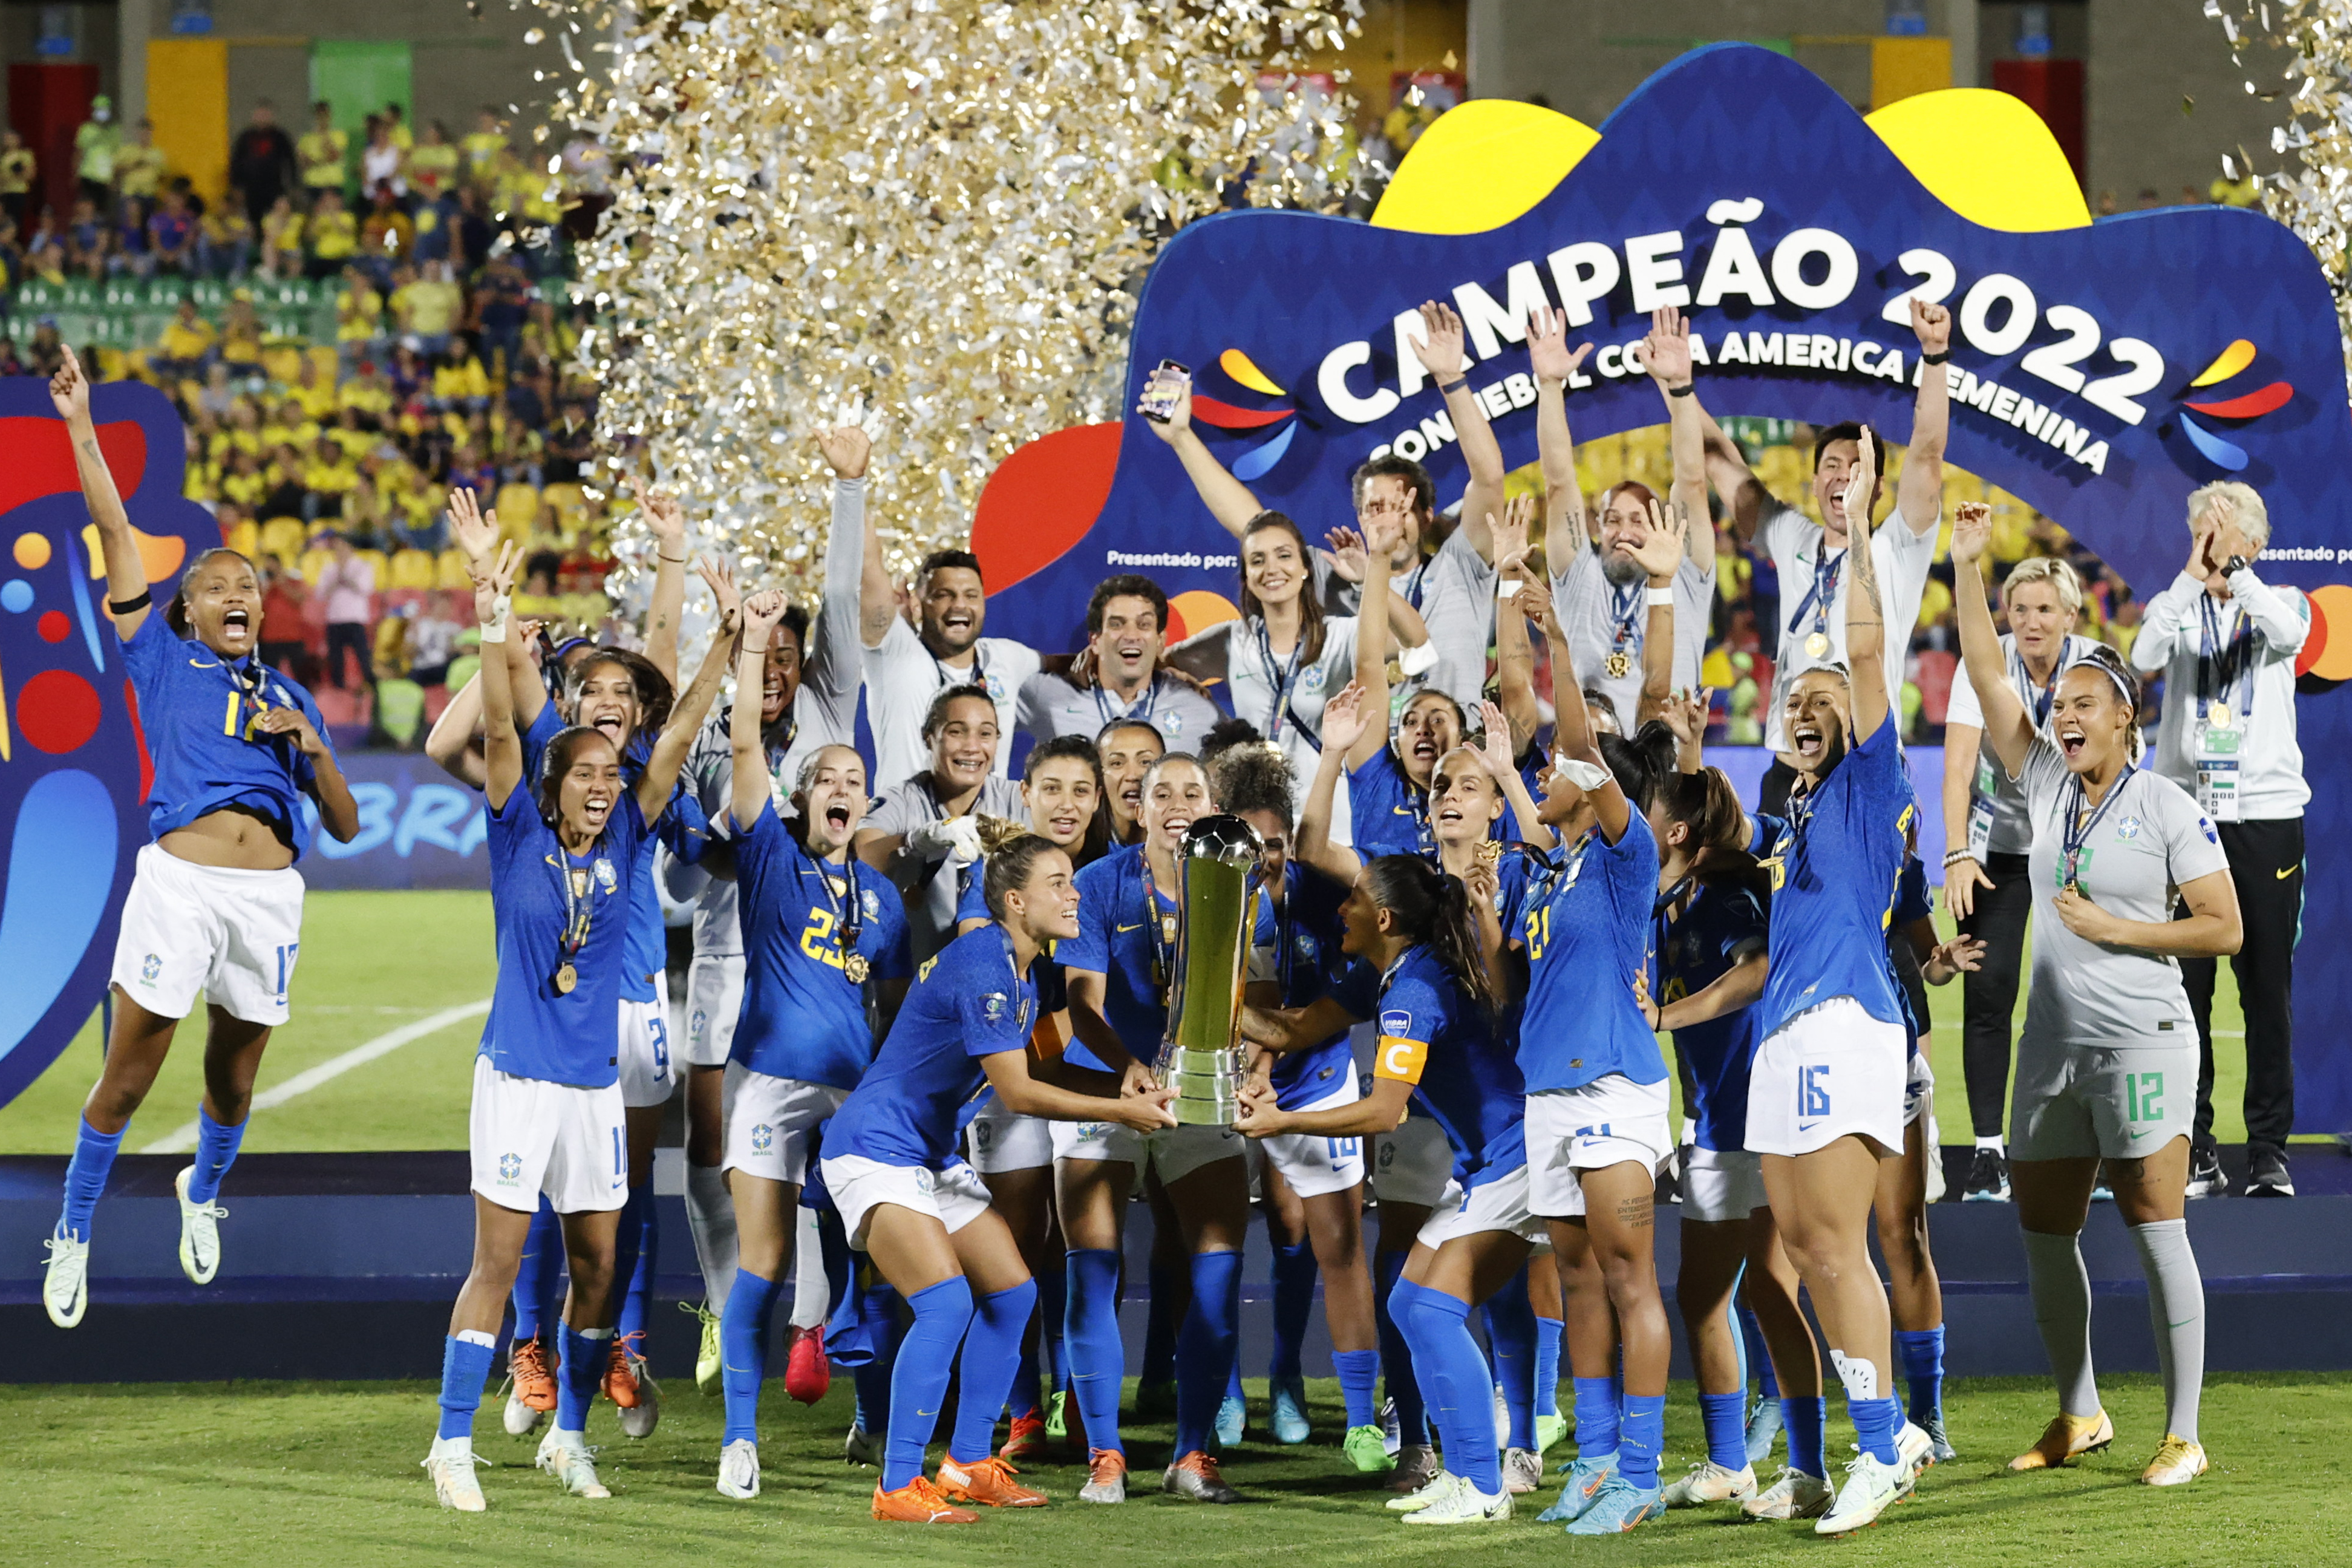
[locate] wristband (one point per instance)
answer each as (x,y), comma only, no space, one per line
(1659,596)
(673,559)
(1685,390)
(1955,857)
(1936,358)
(1505,592)
(1586,777)
(124,607)
(496,631)
(1448,388)
(1418,660)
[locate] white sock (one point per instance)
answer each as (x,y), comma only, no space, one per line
(2061,1289)
(811,1289)
(451,1448)
(1992,1143)
(710,1216)
(2175,1310)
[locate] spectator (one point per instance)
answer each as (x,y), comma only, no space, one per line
(432,642)
(283,593)
(334,235)
(347,588)
(130,251)
(261,164)
(396,128)
(536,599)
(186,345)
(433,165)
(474,233)
(359,319)
(281,238)
(139,165)
(570,444)
(388,236)
(502,304)
(460,381)
(87,241)
(18,167)
(172,235)
(383,162)
(95,144)
(322,152)
(483,144)
(224,241)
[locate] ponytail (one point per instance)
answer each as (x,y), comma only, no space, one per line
(1012,852)
(1641,764)
(1427,906)
(1707,804)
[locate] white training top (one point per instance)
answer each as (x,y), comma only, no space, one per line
(901,678)
(1601,619)
(2261,629)
(1230,651)
(1454,592)
(1050,707)
(1794,541)
(931,888)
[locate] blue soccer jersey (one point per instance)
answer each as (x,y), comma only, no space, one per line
(1585,924)
(1389,812)
(804,1017)
(1435,1037)
(1046,971)
(966,1003)
(1723,925)
(196,713)
(1833,872)
(535,1029)
(1127,934)
(1297,943)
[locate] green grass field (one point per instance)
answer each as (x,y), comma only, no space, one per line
(328,1473)
(373,962)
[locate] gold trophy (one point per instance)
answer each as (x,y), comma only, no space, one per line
(1200,1059)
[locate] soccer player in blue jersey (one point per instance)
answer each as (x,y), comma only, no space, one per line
(215,904)
(1411,925)
(547,1114)
(1825,1094)
(825,957)
(911,1204)
(1597,1127)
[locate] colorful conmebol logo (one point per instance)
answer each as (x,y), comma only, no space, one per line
(2232,392)
(1258,461)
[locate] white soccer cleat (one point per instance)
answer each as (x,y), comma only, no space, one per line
(1869,1488)
(65,1282)
(1463,1503)
(861,1447)
(451,1465)
(199,1232)
(1794,1494)
(1421,1496)
(739,1469)
(1914,1452)
(1710,1482)
(567,1457)
(1522,1470)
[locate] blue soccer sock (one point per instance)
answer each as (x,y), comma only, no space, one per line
(539,1274)
(1548,1333)
(1090,1339)
(1803,1420)
(918,1384)
(86,1173)
(465,1367)
(999,1323)
(1875,1424)
(1596,1417)
(1454,1371)
(636,1250)
(1294,1305)
(216,1148)
(1358,1372)
(1027,1396)
(878,1318)
(1760,1355)
(1724,1417)
(1642,1430)
(1163,1320)
(744,1326)
(1511,1333)
(1053,1305)
(586,1354)
(1204,1348)
(1923,1368)
(1396,1355)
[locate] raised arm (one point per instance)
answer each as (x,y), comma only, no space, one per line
(1441,353)
(1228,500)
(677,739)
(1962,874)
(760,614)
(1515,655)
(502,741)
(1566,529)
(1665,353)
(878,595)
(477,533)
(126,577)
(1373,640)
(2167,617)
(667,522)
(2006,725)
(2283,622)
(832,668)
(1344,723)
(1920,491)
(1660,554)
(1865,617)
(1743,493)
(1572,737)
(451,741)
(1501,757)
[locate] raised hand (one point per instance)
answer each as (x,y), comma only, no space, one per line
(1933,323)
(665,520)
(1858,485)
(1534,601)
(1686,714)
(762,611)
(722,579)
(1481,883)
(1441,354)
(1343,718)
(69,388)
(1510,535)
(1382,536)
(1665,353)
(1345,546)
(1661,550)
(847,448)
(1176,386)
(495,580)
(1971,531)
(1495,739)
(1549,354)
(476,532)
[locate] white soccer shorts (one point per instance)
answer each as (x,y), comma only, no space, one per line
(1414,1164)
(528,1136)
(1002,1140)
(714,997)
(955,1196)
(1721,1184)
(1311,1165)
(1500,1203)
(647,1076)
(1829,1071)
(228,933)
(770,1121)
(1174,1152)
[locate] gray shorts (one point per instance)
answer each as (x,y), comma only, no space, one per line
(2113,1100)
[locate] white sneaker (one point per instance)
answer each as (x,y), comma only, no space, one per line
(861,1447)
(739,1469)
(567,1457)
(1869,1488)
(1794,1494)
(1420,1497)
(520,1419)
(199,1232)
(1522,1470)
(1502,1418)
(1914,1452)
(451,1465)
(1463,1504)
(1710,1482)
(65,1283)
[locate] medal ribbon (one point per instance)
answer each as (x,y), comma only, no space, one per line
(1163,943)
(579,912)
(1282,679)
(1626,606)
(2076,831)
(846,925)
(2220,662)
(1826,572)
(2041,705)
(1142,714)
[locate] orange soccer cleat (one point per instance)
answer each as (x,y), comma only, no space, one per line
(534,1382)
(919,1502)
(988,1483)
(620,1378)
(1027,1439)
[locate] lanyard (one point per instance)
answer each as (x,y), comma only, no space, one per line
(847,923)
(1412,584)
(1282,681)
(1162,927)
(1826,572)
(1102,708)
(1626,608)
(1283,927)
(579,912)
(2041,705)
(2217,672)
(1662,919)
(2077,832)
(978,675)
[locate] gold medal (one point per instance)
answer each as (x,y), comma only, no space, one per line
(1619,665)
(853,964)
(566,979)
(1817,645)
(1489,851)
(2218,715)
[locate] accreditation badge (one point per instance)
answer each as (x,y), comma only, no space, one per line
(2217,750)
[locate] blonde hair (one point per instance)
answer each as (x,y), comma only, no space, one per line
(2253,519)
(2053,570)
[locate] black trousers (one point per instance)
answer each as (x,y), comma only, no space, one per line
(2266,864)
(1772,790)
(1989,992)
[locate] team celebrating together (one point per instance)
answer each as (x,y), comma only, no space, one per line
(926,1005)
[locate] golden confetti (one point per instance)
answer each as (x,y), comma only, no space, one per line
(930,217)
